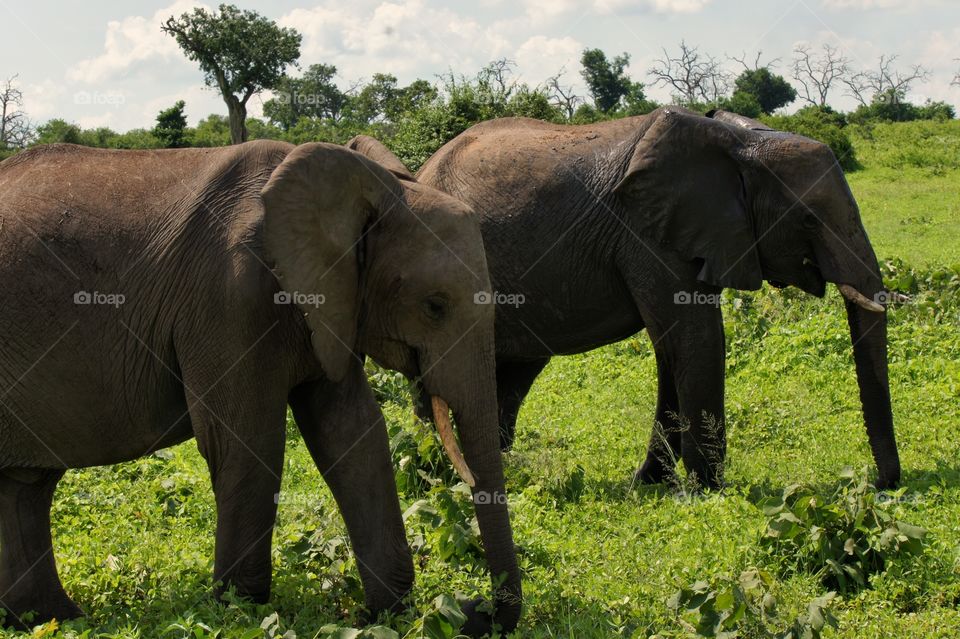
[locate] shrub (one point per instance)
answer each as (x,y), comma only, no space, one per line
(823,125)
(843,538)
(743,103)
(745,607)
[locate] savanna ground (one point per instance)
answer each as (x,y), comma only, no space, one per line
(602,557)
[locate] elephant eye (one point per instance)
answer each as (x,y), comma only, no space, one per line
(435,307)
(810,221)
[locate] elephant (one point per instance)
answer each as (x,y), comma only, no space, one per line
(154,296)
(594,232)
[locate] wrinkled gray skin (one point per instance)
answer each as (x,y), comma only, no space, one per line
(200,346)
(601,226)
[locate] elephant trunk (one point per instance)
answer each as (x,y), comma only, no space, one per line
(481,466)
(868,332)
(852,265)
(481,446)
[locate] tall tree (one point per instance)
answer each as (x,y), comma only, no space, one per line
(171,126)
(375,99)
(771,91)
(886,82)
(15,131)
(817,74)
(606,79)
(241,53)
(563,97)
(315,94)
(694,76)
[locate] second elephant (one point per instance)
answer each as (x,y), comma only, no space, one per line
(605,229)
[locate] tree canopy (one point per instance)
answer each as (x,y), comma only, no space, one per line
(171,126)
(240,53)
(771,91)
(606,79)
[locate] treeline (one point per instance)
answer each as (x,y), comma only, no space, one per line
(243,54)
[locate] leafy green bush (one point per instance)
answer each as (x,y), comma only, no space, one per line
(823,125)
(935,292)
(743,103)
(892,107)
(745,607)
(844,537)
(443,622)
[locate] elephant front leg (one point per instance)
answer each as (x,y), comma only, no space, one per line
(699,377)
(663,452)
(242,442)
(345,433)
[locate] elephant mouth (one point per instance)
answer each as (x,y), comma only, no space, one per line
(808,279)
(441,418)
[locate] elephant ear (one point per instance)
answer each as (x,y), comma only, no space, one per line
(317,204)
(685,187)
(378,152)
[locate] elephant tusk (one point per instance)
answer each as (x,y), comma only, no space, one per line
(441,415)
(857,298)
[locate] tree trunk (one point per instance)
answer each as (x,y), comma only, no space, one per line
(238,119)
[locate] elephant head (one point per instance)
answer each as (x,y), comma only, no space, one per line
(748,203)
(391,269)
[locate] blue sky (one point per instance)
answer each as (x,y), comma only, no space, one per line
(107,63)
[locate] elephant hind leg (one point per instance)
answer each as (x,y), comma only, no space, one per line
(28,572)
(514,380)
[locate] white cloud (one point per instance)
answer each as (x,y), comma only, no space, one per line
(540,11)
(130,41)
(864,5)
(399,37)
(658,6)
(44,100)
(541,57)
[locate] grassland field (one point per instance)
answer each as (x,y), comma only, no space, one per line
(601,556)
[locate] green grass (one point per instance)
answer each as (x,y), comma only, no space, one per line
(908,193)
(601,557)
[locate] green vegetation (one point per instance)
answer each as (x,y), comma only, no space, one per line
(601,556)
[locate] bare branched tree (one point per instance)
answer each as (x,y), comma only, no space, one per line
(563,97)
(498,75)
(756,66)
(885,80)
(816,73)
(956,78)
(15,129)
(693,75)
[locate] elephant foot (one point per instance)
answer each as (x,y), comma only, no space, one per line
(23,611)
(479,622)
(887,483)
(653,473)
(258,596)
